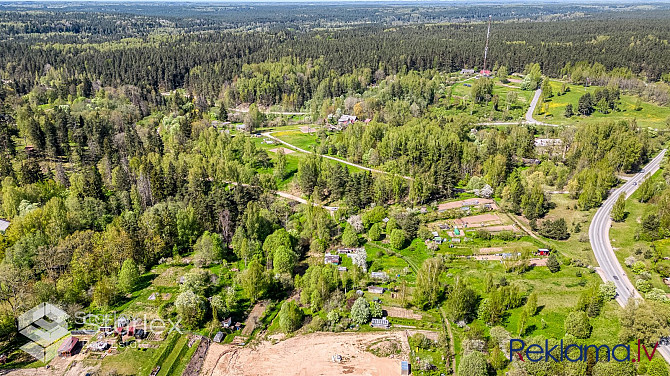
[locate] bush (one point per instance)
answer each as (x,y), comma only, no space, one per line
(552,263)
(607,291)
(557,229)
(577,324)
(375,232)
(360,311)
(397,240)
(472,364)
(643,285)
(290,316)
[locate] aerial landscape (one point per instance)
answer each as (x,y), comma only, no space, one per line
(335,188)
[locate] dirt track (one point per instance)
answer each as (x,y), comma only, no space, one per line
(308,355)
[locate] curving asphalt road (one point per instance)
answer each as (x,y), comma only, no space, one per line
(599,230)
(610,268)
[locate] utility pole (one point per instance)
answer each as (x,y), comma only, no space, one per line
(486,49)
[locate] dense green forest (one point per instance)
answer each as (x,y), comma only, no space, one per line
(128,142)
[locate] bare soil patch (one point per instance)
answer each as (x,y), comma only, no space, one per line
(307,129)
(402,313)
(489,251)
(285,150)
(479,220)
(311,354)
(253,318)
(468,202)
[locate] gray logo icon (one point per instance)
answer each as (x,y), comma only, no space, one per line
(44,325)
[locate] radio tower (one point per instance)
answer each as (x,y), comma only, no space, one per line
(486,49)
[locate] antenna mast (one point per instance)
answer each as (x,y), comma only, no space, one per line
(486,49)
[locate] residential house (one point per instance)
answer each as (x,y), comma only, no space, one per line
(346,120)
(227,322)
(331,259)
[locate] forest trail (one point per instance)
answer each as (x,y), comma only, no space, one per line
(269,135)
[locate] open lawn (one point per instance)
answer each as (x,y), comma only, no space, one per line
(461,90)
(651,115)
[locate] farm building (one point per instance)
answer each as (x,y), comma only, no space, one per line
(68,346)
(380,323)
(331,259)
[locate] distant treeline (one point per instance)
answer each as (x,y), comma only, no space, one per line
(149,53)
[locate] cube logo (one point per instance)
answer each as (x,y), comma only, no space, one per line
(44,325)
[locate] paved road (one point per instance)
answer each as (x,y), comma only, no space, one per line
(269,135)
(529,119)
(610,269)
(600,228)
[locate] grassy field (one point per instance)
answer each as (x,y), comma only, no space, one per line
(624,242)
(460,91)
(577,246)
(651,115)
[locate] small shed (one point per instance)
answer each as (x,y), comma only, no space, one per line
(67,347)
(227,323)
(218,337)
(382,323)
(98,346)
(4,224)
(140,334)
(375,289)
(379,275)
(543,252)
(405,368)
